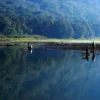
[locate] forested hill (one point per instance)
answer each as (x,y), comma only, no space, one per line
(51,18)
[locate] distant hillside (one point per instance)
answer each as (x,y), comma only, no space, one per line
(51,18)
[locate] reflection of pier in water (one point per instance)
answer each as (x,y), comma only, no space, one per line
(87,54)
(88,49)
(30,47)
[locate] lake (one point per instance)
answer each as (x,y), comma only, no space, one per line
(48,74)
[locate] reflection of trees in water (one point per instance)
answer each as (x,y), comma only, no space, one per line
(44,74)
(17,64)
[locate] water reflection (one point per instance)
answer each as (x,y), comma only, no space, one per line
(86,55)
(30,48)
(88,52)
(48,74)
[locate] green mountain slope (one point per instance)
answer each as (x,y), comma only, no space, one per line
(51,18)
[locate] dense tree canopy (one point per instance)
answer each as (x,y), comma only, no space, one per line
(51,18)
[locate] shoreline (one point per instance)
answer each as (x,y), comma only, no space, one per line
(49,42)
(56,43)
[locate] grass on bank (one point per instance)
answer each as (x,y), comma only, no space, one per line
(44,39)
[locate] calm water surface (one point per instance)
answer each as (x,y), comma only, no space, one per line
(48,74)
